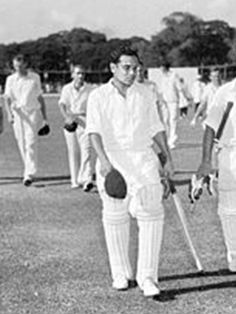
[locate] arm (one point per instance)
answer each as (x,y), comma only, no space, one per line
(160,144)
(70,117)
(208,141)
(201,110)
(8,103)
(43,108)
(106,166)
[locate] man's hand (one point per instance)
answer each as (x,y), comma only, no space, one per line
(168,169)
(106,167)
(204,170)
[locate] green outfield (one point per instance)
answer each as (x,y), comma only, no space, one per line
(52,252)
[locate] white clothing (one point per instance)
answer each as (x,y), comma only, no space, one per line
(184,96)
(208,95)
(80,151)
(169,89)
(79,156)
(24,91)
(25,128)
(127,125)
(197,91)
(123,123)
(169,86)
(76,100)
(227,162)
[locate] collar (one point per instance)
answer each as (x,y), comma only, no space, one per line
(112,88)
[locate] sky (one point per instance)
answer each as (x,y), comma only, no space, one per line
(30,19)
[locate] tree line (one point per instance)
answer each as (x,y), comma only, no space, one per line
(185,40)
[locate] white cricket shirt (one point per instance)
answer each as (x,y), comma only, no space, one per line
(76,100)
(208,95)
(197,91)
(169,87)
(124,123)
(24,91)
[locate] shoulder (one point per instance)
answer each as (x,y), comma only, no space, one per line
(67,87)
(226,89)
(100,91)
(11,77)
(35,76)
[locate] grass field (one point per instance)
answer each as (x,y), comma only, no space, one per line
(52,252)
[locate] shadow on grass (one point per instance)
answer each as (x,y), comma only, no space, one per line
(171,294)
(216,273)
(14,180)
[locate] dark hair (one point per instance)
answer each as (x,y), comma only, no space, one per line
(165,64)
(123,50)
(21,57)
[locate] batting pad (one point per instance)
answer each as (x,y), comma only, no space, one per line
(117,240)
(150,239)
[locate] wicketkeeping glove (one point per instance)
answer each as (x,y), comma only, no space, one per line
(196,187)
(44,130)
(70,127)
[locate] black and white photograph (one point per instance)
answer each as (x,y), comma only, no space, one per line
(117,157)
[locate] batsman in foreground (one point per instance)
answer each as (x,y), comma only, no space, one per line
(225,96)
(123,124)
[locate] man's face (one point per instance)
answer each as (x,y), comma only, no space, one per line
(19,65)
(125,70)
(215,77)
(78,74)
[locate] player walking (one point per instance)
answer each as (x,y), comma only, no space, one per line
(73,106)
(227,164)
(207,97)
(169,89)
(24,101)
(123,123)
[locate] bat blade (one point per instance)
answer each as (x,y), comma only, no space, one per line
(183,220)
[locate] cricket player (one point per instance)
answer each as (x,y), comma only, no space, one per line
(227,164)
(169,89)
(185,98)
(123,124)
(207,96)
(197,91)
(141,77)
(73,106)
(24,103)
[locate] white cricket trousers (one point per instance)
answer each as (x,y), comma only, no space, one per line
(146,206)
(25,128)
(227,198)
(80,156)
(172,122)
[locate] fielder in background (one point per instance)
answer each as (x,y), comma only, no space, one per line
(73,106)
(185,98)
(197,91)
(169,88)
(141,77)
(227,163)
(207,96)
(123,123)
(24,102)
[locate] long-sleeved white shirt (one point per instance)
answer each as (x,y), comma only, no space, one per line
(23,91)
(76,100)
(124,123)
